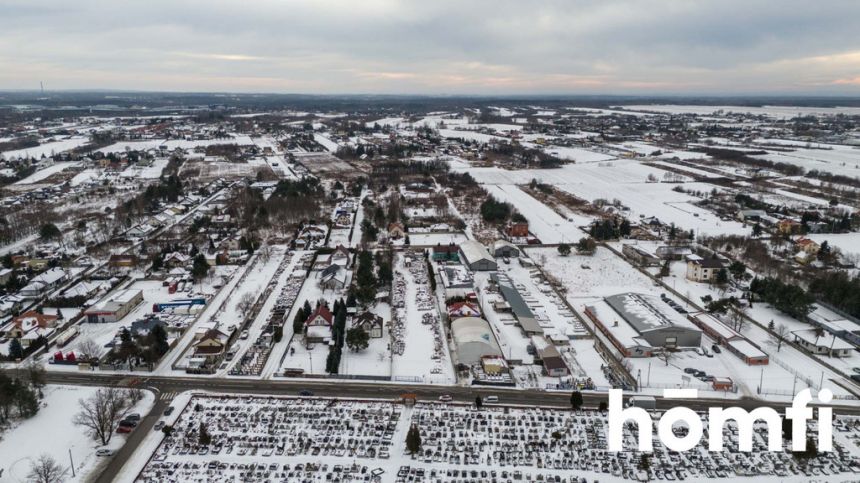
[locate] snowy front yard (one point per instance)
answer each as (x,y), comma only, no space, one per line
(52,432)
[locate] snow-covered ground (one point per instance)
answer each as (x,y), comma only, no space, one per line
(578,155)
(46,149)
(171,144)
(777,112)
(52,432)
(842,160)
(47,172)
(325,142)
(626,181)
(547,225)
(419,346)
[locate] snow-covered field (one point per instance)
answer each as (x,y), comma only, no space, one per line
(547,225)
(52,432)
(777,112)
(578,155)
(146,172)
(843,160)
(171,144)
(47,172)
(624,180)
(47,149)
(325,142)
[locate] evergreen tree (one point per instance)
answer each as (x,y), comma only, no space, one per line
(576,400)
(200,267)
(357,339)
(15,350)
(413,439)
(204,437)
(299,322)
(564,249)
(159,337)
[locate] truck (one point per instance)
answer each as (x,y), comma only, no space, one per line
(644,402)
(190,302)
(67,336)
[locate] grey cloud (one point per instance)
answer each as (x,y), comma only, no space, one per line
(443,46)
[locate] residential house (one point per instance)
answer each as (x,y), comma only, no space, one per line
(518,230)
(334,277)
(370,323)
(340,256)
(703,269)
(396,231)
(318,326)
(823,344)
(212,345)
(44,282)
(807,250)
(176,260)
(463,309)
(31,321)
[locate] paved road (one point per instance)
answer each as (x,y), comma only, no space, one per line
(114,466)
(377,390)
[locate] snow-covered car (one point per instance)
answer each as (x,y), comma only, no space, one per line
(446,398)
(105,452)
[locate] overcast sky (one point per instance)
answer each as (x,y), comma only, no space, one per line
(434,46)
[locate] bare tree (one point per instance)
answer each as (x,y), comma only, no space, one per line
(666,355)
(245,303)
(101,413)
(265,251)
(90,348)
(45,469)
(738,318)
(135,395)
(780,333)
(35,374)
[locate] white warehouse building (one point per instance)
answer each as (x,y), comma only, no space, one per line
(474,339)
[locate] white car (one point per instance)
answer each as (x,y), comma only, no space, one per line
(105,452)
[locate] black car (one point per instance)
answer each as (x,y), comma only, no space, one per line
(690,370)
(168,411)
(306,393)
(716,348)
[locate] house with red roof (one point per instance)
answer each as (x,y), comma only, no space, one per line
(318,326)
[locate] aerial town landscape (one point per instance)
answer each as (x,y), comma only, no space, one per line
(390,241)
(219,293)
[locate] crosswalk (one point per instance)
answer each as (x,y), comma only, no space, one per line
(166,396)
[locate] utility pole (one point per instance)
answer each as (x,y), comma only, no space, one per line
(72,462)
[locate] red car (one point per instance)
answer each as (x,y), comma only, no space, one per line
(124,429)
